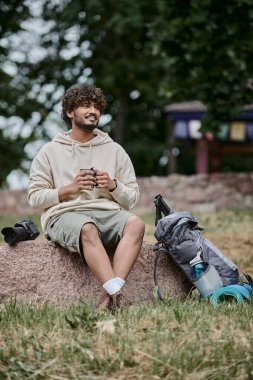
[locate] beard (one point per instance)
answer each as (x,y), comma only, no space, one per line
(84,122)
(87,127)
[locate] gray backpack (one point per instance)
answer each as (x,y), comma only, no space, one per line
(179,234)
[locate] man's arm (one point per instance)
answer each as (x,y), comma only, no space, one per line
(126,195)
(124,188)
(42,192)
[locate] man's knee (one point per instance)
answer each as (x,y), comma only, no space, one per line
(135,226)
(89,232)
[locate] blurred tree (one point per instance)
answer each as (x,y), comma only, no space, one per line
(106,42)
(16,107)
(143,54)
(208,49)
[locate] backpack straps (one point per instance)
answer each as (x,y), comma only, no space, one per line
(161,208)
(157,249)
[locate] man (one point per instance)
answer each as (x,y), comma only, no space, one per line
(85,182)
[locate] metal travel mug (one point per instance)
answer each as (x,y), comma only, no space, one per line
(87,171)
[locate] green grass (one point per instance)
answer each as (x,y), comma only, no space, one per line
(170,340)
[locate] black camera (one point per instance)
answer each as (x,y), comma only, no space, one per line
(23,230)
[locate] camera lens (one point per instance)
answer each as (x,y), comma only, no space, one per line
(14,235)
(23,230)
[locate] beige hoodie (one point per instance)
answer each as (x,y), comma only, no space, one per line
(58,163)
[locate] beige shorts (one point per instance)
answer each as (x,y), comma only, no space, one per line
(65,229)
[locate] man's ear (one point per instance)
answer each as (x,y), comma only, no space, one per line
(70,114)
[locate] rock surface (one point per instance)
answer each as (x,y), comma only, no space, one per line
(42,272)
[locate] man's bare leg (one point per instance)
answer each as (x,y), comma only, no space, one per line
(125,256)
(129,247)
(95,254)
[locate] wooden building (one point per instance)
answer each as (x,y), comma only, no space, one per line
(235,137)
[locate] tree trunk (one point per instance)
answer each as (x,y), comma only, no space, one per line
(121,122)
(172,162)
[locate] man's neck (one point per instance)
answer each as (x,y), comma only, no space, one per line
(81,135)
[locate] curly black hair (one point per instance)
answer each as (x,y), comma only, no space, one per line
(85,94)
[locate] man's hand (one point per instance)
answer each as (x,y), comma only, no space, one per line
(104,181)
(83,181)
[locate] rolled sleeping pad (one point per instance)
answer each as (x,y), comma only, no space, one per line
(237,292)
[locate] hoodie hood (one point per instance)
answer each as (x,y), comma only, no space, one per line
(100,138)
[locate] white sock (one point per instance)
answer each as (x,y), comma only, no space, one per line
(121,282)
(111,286)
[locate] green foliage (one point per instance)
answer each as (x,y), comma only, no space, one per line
(143,54)
(237,163)
(17,105)
(207,48)
(12,154)
(111,49)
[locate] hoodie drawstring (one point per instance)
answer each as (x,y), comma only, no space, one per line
(72,148)
(89,155)
(73,152)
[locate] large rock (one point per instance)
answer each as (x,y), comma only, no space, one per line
(42,272)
